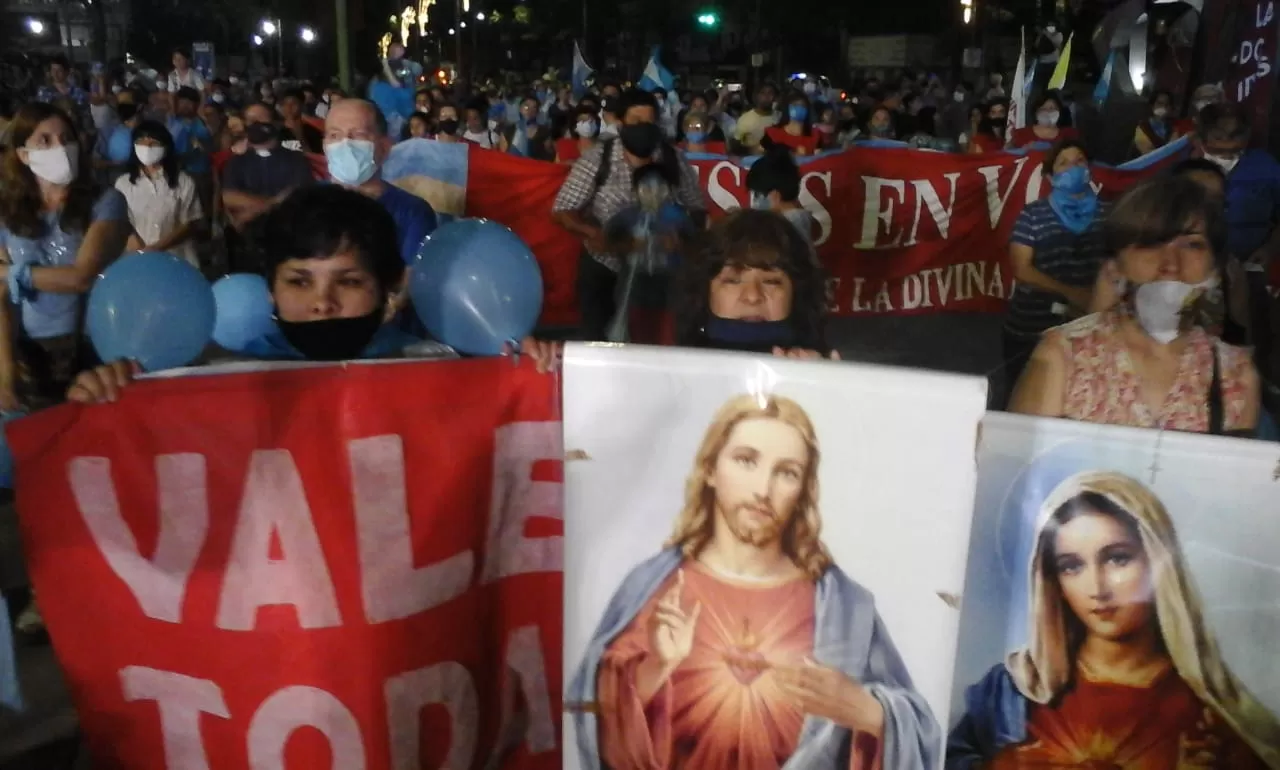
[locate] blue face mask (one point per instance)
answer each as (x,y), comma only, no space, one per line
(1073,199)
(751,336)
(798,112)
(351,161)
(696,137)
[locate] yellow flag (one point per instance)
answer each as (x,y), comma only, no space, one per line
(1059,77)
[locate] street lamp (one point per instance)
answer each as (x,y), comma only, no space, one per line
(35,27)
(257,40)
(307,35)
(272,28)
(480,16)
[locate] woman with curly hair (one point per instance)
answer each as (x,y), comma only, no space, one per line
(752,284)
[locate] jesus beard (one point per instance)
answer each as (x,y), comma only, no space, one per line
(755,524)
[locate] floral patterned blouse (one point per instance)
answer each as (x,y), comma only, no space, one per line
(1103,385)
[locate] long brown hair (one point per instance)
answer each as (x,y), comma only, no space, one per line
(802,539)
(20,201)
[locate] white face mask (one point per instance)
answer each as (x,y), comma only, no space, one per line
(958,96)
(148,155)
(1160,112)
(56,165)
(608,129)
(1048,118)
(586,129)
(1226,164)
(1159,306)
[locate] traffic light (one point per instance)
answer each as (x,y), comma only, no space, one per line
(708,19)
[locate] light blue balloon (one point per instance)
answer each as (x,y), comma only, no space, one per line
(153,308)
(120,145)
(244,310)
(476,286)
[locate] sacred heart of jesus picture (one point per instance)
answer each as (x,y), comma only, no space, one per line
(761,560)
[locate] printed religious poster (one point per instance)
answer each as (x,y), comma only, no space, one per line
(1120,604)
(763,559)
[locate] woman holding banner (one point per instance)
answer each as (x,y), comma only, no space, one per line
(795,127)
(1120,668)
(1056,251)
(1151,360)
(751,284)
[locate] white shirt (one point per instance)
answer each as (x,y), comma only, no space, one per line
(191,80)
(482,138)
(156,209)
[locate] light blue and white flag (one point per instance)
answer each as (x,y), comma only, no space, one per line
(580,72)
(655,75)
(1103,89)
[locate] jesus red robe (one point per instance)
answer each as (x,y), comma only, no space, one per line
(721,709)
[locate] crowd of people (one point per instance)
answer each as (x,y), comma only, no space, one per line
(1150,311)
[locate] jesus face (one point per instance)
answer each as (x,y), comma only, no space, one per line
(758,479)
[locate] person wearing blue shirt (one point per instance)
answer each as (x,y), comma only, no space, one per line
(333,267)
(1253,215)
(355,146)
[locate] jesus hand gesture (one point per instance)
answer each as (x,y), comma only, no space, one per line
(830,693)
(671,627)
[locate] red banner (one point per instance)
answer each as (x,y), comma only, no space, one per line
(305,568)
(901,231)
(909,231)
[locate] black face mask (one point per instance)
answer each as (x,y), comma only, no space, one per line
(999,123)
(449,127)
(749,336)
(260,133)
(641,139)
(333,339)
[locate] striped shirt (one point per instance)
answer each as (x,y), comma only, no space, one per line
(578,192)
(1061,255)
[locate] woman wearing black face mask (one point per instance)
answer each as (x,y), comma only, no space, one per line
(992,131)
(336,277)
(334,269)
(752,284)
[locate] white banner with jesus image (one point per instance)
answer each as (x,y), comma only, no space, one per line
(763,559)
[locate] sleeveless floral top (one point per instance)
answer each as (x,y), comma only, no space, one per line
(1103,385)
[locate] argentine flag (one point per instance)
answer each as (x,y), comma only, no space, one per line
(580,72)
(655,75)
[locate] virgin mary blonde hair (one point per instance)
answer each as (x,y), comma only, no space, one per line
(801,540)
(1046,667)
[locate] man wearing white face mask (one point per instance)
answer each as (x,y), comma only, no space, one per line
(1253,216)
(355,146)
(1153,360)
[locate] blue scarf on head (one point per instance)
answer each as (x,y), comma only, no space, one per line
(1073,199)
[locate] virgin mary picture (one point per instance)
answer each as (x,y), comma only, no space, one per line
(741,644)
(1120,669)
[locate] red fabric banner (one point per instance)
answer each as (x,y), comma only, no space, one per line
(901,231)
(355,567)
(905,231)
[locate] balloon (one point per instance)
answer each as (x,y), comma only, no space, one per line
(244,310)
(120,145)
(476,286)
(153,308)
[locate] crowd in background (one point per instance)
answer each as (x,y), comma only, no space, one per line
(1151,311)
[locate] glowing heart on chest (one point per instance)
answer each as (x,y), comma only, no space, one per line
(744,659)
